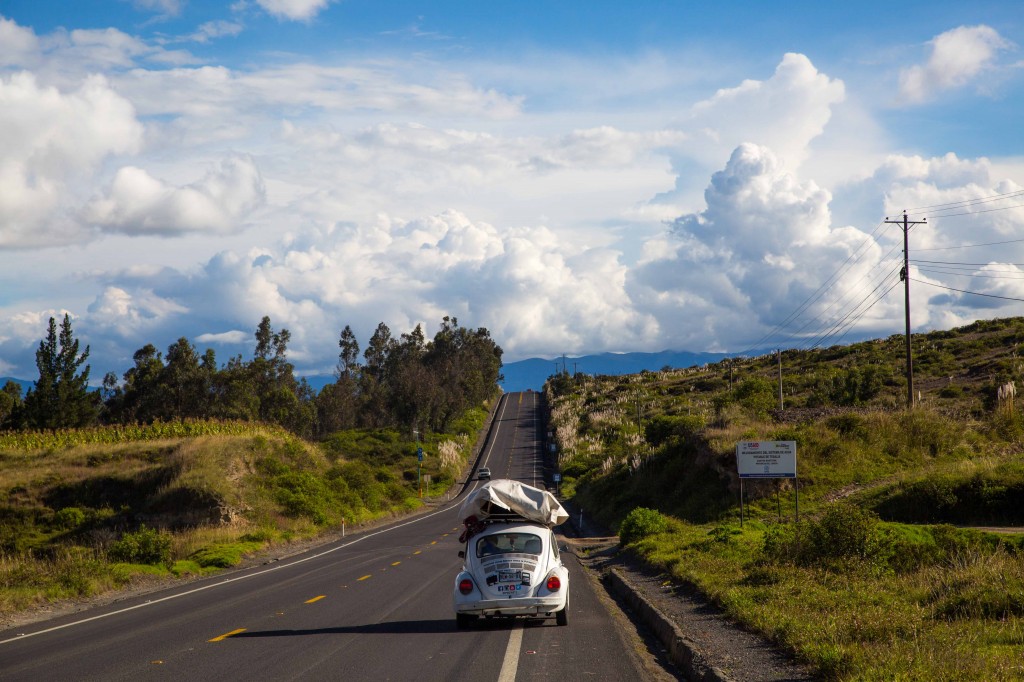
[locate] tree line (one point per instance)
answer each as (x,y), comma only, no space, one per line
(408,382)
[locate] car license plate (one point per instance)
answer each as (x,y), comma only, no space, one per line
(506,575)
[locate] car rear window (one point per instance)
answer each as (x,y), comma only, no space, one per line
(504,543)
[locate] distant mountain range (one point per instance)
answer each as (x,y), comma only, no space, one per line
(533,372)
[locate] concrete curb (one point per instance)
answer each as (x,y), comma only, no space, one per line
(682,651)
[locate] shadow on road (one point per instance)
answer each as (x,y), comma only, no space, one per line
(399,627)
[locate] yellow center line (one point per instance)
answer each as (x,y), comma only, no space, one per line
(396,563)
(417,551)
(221,638)
(314,599)
(364,577)
(434,542)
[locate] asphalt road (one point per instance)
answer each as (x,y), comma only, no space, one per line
(375,606)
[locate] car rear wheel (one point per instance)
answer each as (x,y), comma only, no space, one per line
(464,620)
(562,617)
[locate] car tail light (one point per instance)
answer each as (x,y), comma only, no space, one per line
(554,584)
(465,586)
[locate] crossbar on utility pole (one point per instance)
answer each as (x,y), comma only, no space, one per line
(905,276)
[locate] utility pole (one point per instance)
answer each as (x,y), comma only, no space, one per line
(905,276)
(780,379)
(419,463)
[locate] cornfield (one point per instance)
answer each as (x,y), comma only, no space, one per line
(33,441)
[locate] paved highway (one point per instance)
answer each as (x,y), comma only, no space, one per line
(375,606)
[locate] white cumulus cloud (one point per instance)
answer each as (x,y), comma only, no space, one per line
(294,10)
(49,141)
(763,243)
(783,113)
(957,57)
(139,204)
(18,44)
(131,314)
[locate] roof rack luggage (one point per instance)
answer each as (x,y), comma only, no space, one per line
(504,500)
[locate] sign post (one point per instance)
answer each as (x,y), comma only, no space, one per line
(419,469)
(767,459)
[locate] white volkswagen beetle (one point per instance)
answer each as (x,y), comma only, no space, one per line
(511,566)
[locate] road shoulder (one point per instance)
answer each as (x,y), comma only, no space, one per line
(699,639)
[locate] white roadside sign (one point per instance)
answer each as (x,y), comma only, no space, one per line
(766,458)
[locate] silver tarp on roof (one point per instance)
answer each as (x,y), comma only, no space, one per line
(534,504)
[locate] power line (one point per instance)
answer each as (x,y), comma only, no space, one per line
(974,293)
(859,317)
(943,262)
(819,292)
(973,246)
(987,210)
(970,202)
(967,273)
(845,321)
(844,303)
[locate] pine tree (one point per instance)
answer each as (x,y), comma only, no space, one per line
(61,397)
(349,354)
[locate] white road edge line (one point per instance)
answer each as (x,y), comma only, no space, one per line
(24,636)
(510,665)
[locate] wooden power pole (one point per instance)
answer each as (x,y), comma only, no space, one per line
(905,276)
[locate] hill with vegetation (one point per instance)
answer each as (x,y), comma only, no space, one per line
(898,567)
(86,511)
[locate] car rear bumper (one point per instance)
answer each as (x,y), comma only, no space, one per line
(530,606)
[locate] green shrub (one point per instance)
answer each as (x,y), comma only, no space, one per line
(842,532)
(779,543)
(301,493)
(757,394)
(223,555)
(640,523)
(144,546)
(661,428)
(849,425)
(69,518)
(951,391)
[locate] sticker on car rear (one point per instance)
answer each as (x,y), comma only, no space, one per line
(509,576)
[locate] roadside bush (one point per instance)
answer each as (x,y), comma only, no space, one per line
(843,532)
(661,428)
(144,546)
(984,498)
(301,493)
(757,394)
(640,523)
(69,518)
(853,386)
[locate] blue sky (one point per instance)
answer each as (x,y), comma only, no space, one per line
(576,177)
